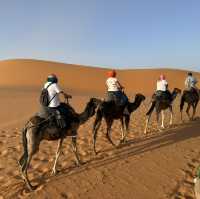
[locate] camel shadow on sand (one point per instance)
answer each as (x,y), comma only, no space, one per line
(137,146)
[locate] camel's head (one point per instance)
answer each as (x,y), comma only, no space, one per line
(92,105)
(139,97)
(177,91)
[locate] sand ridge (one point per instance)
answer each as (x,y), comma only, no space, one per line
(83,79)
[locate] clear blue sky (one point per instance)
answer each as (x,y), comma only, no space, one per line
(115,33)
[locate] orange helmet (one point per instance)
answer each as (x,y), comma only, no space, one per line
(112,73)
(162,77)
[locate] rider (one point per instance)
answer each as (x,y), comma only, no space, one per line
(115,90)
(54,91)
(162,86)
(190,82)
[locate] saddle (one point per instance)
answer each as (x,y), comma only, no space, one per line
(54,116)
(163,95)
(119,98)
(192,91)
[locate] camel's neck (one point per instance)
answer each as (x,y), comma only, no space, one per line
(174,95)
(85,115)
(134,105)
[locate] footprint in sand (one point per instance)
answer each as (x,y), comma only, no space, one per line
(4,153)
(194,160)
(191,166)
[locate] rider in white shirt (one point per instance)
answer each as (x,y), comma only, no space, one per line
(162,84)
(190,83)
(112,83)
(115,89)
(162,87)
(55,104)
(54,90)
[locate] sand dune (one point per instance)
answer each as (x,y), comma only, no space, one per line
(83,79)
(160,165)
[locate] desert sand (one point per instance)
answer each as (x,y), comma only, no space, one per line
(159,165)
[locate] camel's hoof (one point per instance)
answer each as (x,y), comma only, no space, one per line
(79,163)
(54,172)
(31,187)
(190,118)
(115,145)
(122,142)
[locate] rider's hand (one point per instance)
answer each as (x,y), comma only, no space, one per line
(122,88)
(67,96)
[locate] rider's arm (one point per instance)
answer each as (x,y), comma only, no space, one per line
(195,81)
(60,91)
(119,85)
(186,82)
(165,83)
(65,94)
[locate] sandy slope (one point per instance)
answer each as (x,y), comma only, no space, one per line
(159,165)
(81,79)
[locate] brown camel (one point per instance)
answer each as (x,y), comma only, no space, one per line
(110,112)
(161,104)
(38,129)
(191,97)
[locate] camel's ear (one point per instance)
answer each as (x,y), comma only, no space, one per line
(91,99)
(95,101)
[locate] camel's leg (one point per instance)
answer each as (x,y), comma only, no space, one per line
(194,110)
(157,119)
(149,115)
(171,115)
(181,115)
(96,127)
(75,150)
(188,111)
(25,174)
(108,134)
(162,118)
(32,147)
(147,123)
(54,171)
(122,130)
(23,161)
(127,120)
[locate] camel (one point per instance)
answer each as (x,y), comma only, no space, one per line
(160,105)
(110,112)
(191,97)
(38,129)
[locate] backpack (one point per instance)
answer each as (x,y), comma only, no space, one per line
(44,96)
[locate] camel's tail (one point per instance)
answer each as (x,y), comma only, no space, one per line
(24,141)
(182,103)
(151,108)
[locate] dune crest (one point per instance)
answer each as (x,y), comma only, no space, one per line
(84,79)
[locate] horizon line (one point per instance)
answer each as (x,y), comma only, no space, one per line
(182,68)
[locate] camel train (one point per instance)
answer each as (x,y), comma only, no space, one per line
(58,120)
